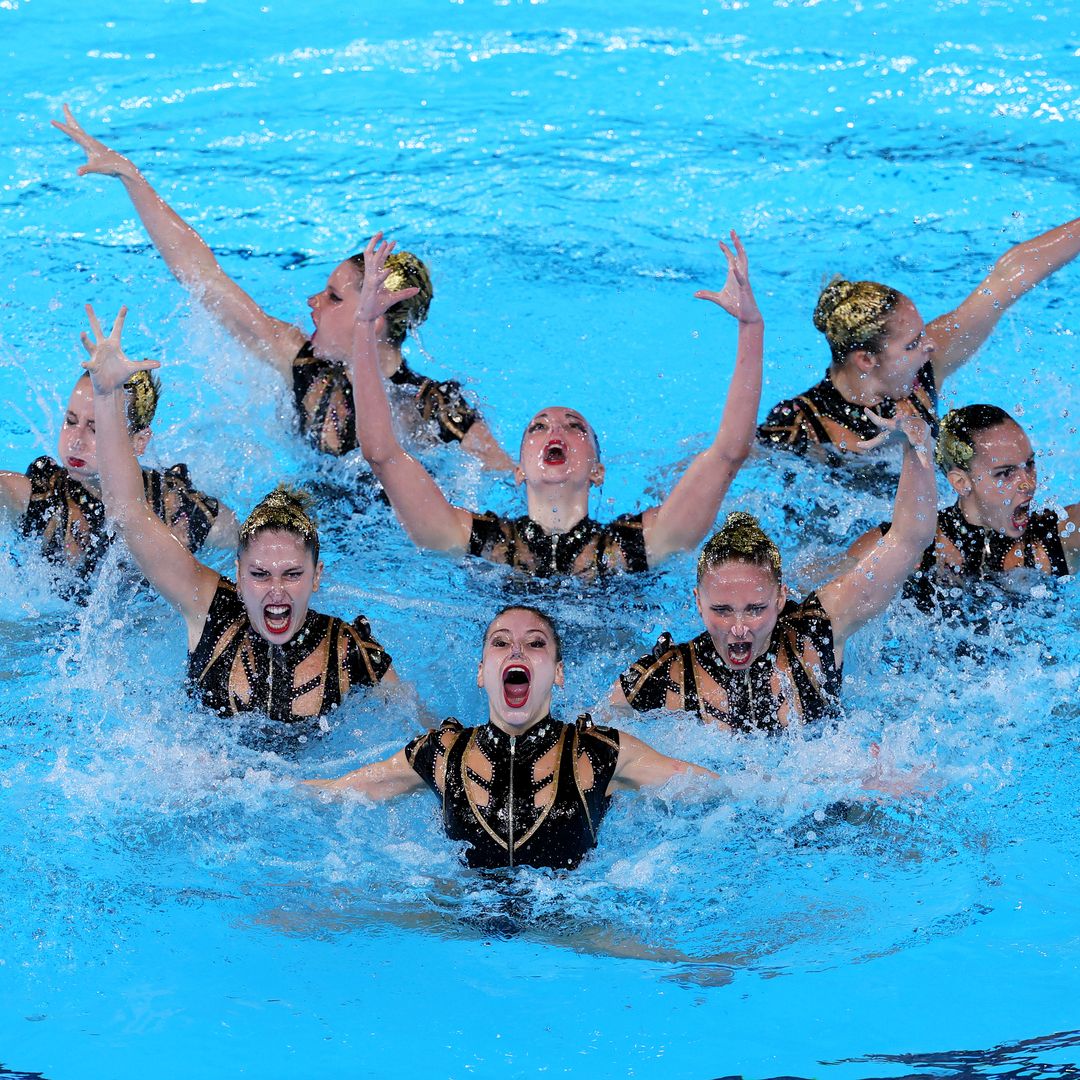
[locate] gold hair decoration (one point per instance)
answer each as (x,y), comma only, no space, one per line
(740,540)
(143,392)
(285,509)
(853,314)
(953,452)
(407,272)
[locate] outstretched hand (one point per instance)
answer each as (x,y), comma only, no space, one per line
(109,368)
(99,158)
(908,424)
(375,299)
(736,297)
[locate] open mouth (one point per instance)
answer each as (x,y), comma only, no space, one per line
(555,454)
(516,681)
(76,463)
(738,653)
(1021,515)
(277,618)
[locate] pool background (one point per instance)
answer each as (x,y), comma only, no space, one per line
(169,905)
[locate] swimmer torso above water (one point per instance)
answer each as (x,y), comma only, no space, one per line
(522,789)
(765,662)
(535,799)
(255,646)
(882,353)
(797,678)
(317,369)
(559,461)
(991,529)
(60,502)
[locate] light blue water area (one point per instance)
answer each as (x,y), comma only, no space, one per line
(171,907)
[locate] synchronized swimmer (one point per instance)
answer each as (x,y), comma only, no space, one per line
(559,460)
(524,787)
(316,367)
(882,352)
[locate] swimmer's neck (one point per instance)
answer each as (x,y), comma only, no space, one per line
(390,358)
(969,511)
(557,509)
(91,484)
(854,386)
(515,731)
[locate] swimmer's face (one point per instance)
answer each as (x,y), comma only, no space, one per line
(275,577)
(999,483)
(518,670)
(558,447)
(906,349)
(78,436)
(333,311)
(739,604)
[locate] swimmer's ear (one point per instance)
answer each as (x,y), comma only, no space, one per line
(559,679)
(317,577)
(140,440)
(782,599)
(480,675)
(959,481)
(697,601)
(519,475)
(862,360)
(596,474)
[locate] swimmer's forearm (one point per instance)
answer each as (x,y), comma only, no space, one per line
(959,333)
(122,488)
(688,513)
(187,255)
(378,782)
(915,507)
(1025,265)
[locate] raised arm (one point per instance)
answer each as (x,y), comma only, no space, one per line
(167,564)
(958,333)
(858,594)
(687,514)
(429,518)
(189,258)
(382,780)
(639,766)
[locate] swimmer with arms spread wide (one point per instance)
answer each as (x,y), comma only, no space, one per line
(766,661)
(524,788)
(60,502)
(991,528)
(882,353)
(560,461)
(317,368)
(255,646)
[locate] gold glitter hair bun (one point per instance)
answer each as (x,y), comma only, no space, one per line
(143,392)
(854,315)
(741,539)
(406,272)
(956,441)
(285,509)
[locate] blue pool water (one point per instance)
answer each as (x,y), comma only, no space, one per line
(170,907)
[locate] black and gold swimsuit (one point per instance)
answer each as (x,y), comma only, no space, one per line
(962,553)
(587,550)
(796,679)
(536,799)
(824,417)
(71,520)
(323,395)
(233,669)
